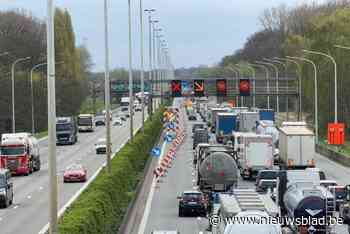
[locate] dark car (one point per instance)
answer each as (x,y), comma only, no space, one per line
(266,175)
(192,202)
(192,117)
(197,126)
(340,194)
(6,188)
(265,185)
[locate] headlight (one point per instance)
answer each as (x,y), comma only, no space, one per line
(2,191)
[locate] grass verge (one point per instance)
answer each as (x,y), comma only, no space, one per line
(102,206)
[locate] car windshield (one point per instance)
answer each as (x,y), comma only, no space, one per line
(268,175)
(192,196)
(84,121)
(74,167)
(268,183)
(63,127)
(6,150)
(2,181)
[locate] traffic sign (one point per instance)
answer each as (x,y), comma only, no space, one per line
(176,88)
(336,133)
(171,125)
(168,138)
(244,87)
(198,88)
(156,152)
(221,88)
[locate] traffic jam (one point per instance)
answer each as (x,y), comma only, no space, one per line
(250,166)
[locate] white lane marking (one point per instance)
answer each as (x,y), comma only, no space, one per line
(0,219)
(147,209)
(45,229)
(41,188)
(15,207)
(29,197)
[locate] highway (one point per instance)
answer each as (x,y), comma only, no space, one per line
(163,214)
(29,213)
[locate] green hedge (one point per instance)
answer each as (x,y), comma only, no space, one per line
(102,206)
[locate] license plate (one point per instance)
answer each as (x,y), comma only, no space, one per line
(218,186)
(192,203)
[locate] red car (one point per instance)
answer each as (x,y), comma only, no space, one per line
(75,173)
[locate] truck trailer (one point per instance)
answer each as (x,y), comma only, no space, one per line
(225,125)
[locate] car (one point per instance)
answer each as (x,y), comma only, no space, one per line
(6,188)
(75,173)
(138,108)
(125,109)
(100,120)
(265,185)
(266,175)
(101,146)
(117,122)
(192,117)
(123,118)
(192,202)
(327,183)
(340,194)
(197,126)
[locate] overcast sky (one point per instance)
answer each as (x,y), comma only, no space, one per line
(199,32)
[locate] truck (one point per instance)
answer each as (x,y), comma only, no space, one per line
(225,125)
(66,130)
(267,114)
(86,123)
(19,152)
(247,121)
(254,153)
(296,147)
(246,204)
(217,172)
(213,112)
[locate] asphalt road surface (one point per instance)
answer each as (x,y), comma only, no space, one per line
(163,214)
(29,213)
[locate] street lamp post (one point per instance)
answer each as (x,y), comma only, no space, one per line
(271,63)
(131,99)
(300,112)
(157,56)
(335,80)
(316,91)
(150,11)
(285,71)
(276,71)
(32,92)
(267,73)
(107,90)
(51,76)
(142,68)
(13,90)
(154,57)
(264,65)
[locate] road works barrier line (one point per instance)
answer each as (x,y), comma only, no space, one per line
(45,229)
(147,211)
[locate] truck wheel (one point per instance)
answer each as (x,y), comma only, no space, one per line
(37,165)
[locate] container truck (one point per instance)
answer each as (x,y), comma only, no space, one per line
(19,153)
(213,113)
(296,147)
(247,121)
(267,114)
(225,125)
(254,153)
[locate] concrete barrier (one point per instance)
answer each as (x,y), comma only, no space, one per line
(333,155)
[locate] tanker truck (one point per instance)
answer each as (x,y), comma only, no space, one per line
(302,198)
(217,172)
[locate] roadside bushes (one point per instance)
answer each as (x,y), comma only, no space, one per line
(101,207)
